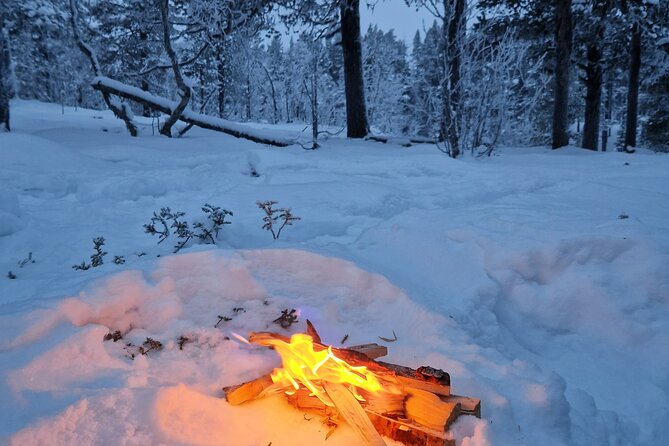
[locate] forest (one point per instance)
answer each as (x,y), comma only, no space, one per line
(482,74)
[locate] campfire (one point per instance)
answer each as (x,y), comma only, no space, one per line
(375,398)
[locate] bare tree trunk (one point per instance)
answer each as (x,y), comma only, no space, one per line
(5,74)
(356,110)
(166,129)
(593,96)
(312,92)
(314,110)
(249,98)
(633,88)
(143,37)
(563,42)
(454,29)
(220,80)
(275,109)
(119,110)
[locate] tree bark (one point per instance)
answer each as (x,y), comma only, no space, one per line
(220,79)
(166,129)
(453,28)
(563,43)
(5,74)
(593,96)
(633,88)
(143,53)
(356,111)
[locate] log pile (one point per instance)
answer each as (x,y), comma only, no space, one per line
(417,410)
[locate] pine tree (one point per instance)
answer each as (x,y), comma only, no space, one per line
(563,42)
(6,81)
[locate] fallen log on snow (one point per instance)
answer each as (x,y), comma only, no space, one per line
(109,86)
(404,141)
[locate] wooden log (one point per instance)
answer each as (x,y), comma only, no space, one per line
(409,433)
(468,405)
(247,391)
(436,381)
(383,403)
(403,141)
(304,400)
(372,351)
(396,428)
(311,331)
(109,86)
(352,412)
(428,410)
(425,378)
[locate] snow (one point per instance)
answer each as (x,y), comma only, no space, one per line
(514,273)
(218,123)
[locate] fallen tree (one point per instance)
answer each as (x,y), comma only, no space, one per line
(119,109)
(109,86)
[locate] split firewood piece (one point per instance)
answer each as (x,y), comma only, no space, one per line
(428,410)
(304,400)
(383,402)
(436,381)
(468,405)
(408,432)
(311,331)
(352,412)
(247,391)
(372,351)
(397,428)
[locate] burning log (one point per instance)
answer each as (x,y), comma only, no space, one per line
(392,425)
(354,415)
(375,398)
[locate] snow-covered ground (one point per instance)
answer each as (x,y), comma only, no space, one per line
(518,274)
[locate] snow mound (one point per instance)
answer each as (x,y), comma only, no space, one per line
(173,395)
(10,212)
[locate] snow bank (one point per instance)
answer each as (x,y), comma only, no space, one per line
(10,212)
(182,297)
(537,278)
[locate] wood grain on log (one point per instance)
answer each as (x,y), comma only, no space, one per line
(352,412)
(468,405)
(372,351)
(428,410)
(404,430)
(247,391)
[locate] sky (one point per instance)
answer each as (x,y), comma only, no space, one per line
(395,14)
(387,15)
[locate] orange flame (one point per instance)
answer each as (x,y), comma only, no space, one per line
(302,365)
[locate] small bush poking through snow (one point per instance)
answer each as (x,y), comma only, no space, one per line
(150,344)
(273,217)
(96,258)
(216,217)
(207,232)
(27,260)
(159,219)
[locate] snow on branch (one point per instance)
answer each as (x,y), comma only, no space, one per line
(111,86)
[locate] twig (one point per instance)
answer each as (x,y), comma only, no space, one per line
(388,339)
